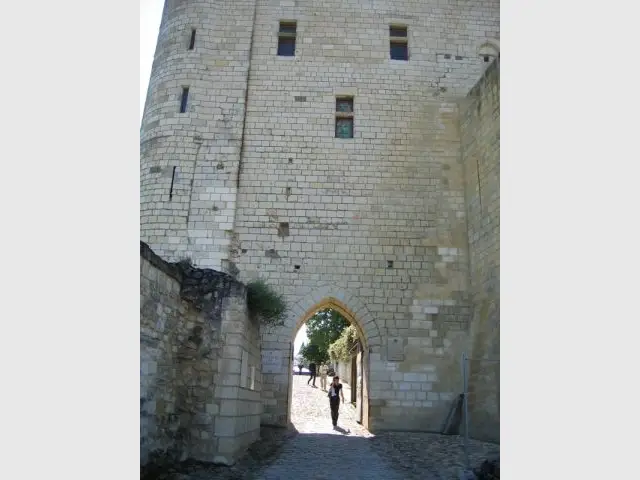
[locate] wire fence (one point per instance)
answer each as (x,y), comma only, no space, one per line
(480,401)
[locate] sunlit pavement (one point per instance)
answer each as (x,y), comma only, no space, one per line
(319,451)
(310,411)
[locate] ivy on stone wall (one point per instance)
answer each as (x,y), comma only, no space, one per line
(265,303)
(341,349)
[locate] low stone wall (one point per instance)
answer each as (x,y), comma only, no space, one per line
(200,380)
(344,372)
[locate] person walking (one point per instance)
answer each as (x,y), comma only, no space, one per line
(323,376)
(335,394)
(312,373)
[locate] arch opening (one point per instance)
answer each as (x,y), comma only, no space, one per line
(356,367)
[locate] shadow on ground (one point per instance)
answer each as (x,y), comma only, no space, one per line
(287,454)
(425,456)
(262,452)
(320,456)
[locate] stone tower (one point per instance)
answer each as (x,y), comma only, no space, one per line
(318,145)
(192,128)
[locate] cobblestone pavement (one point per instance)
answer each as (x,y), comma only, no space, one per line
(317,450)
(356,453)
(310,411)
(312,450)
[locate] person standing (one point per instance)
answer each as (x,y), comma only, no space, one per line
(312,373)
(335,394)
(323,376)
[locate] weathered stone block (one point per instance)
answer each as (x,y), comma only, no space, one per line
(225,426)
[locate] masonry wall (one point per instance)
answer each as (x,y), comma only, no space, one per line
(239,390)
(380,217)
(379,220)
(480,133)
(189,161)
(199,365)
(343,370)
(163,323)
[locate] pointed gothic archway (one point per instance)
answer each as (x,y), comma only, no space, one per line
(277,349)
(351,308)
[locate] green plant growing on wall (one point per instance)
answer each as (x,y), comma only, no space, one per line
(341,349)
(265,303)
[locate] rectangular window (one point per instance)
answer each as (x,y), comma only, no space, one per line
(183,100)
(399,43)
(344,117)
(192,41)
(287,39)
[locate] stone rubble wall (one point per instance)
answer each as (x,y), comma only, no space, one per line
(200,379)
(480,132)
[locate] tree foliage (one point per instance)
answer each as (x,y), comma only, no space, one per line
(342,347)
(312,353)
(323,329)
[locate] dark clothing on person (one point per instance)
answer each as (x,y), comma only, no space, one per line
(334,402)
(335,411)
(312,374)
(334,392)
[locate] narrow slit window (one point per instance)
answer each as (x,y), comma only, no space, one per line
(184,99)
(399,43)
(192,41)
(344,117)
(287,39)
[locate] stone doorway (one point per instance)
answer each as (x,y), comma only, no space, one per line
(277,350)
(358,393)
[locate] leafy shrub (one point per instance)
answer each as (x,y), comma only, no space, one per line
(265,303)
(341,349)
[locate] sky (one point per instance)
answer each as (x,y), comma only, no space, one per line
(301,337)
(150,15)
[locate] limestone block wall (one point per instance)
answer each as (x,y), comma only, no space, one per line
(199,354)
(380,218)
(480,131)
(250,179)
(239,389)
(189,161)
(344,372)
